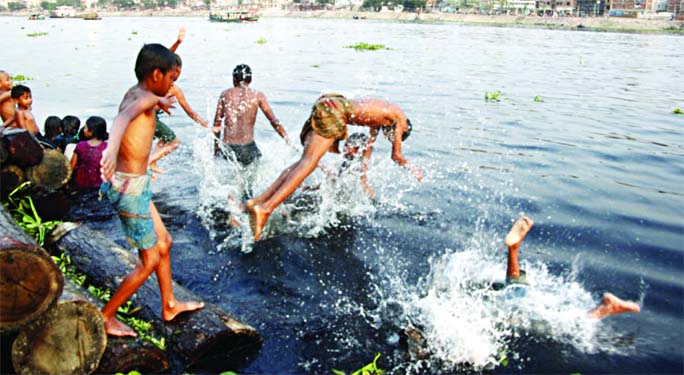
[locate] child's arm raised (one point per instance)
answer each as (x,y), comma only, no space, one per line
(178,94)
(179,40)
(120,124)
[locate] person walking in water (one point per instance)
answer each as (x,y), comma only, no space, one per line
(237,108)
(124,170)
(322,132)
(610,304)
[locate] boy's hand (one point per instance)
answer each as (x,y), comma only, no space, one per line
(167,103)
(107,165)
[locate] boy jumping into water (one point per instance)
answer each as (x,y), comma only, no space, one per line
(167,138)
(610,305)
(7,106)
(127,185)
(322,132)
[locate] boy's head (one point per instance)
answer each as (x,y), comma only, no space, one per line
(155,65)
(5,81)
(22,96)
(96,127)
(242,74)
(52,127)
(70,125)
(355,145)
(388,131)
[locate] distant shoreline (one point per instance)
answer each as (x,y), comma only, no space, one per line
(608,24)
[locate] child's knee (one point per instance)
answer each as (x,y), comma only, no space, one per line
(164,243)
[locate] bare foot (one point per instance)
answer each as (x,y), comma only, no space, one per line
(115,327)
(257,219)
(155,168)
(518,231)
(175,308)
(612,305)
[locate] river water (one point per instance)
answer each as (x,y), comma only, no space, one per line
(598,164)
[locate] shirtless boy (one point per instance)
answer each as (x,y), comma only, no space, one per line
(610,305)
(127,185)
(238,108)
(23,118)
(7,106)
(322,132)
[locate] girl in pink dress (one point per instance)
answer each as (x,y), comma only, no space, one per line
(86,160)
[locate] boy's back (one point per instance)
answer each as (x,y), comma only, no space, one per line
(6,103)
(240,105)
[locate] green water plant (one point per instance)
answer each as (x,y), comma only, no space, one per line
(678,111)
(21,77)
(33,35)
(369,369)
(538,99)
(503,358)
(493,96)
(134,32)
(315,66)
(134,372)
(367,47)
(261,40)
(20,206)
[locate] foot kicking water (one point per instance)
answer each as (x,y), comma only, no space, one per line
(612,305)
(115,327)
(175,308)
(257,218)
(518,232)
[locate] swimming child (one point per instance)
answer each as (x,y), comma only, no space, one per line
(7,106)
(610,304)
(23,117)
(127,184)
(322,132)
(85,162)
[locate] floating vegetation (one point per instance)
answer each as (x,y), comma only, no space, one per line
(538,99)
(21,77)
(261,40)
(37,34)
(678,111)
(315,66)
(134,32)
(493,96)
(367,47)
(369,369)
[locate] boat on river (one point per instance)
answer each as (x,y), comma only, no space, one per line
(36,17)
(234,16)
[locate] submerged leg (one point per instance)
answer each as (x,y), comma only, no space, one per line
(513,240)
(612,305)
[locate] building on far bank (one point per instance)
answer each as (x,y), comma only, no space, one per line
(590,8)
(522,6)
(565,7)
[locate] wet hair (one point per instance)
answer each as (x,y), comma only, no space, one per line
(70,125)
(19,90)
(243,73)
(52,127)
(153,56)
(98,126)
(388,131)
(179,61)
(357,140)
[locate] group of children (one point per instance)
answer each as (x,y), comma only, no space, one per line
(82,146)
(125,162)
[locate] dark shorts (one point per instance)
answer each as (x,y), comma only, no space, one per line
(243,154)
(162,131)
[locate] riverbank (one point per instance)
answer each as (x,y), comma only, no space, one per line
(614,24)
